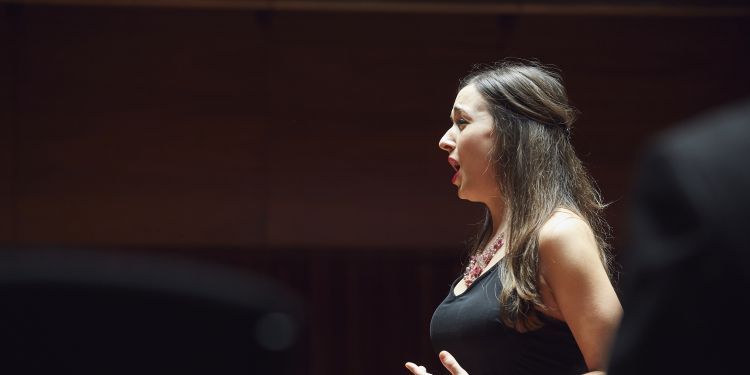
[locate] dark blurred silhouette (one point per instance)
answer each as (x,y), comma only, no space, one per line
(89,313)
(687,267)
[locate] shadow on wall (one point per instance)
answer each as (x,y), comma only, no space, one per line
(89,313)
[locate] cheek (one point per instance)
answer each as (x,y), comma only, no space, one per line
(475,151)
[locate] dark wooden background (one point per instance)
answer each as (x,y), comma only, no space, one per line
(302,144)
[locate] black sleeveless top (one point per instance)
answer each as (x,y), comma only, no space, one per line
(469,327)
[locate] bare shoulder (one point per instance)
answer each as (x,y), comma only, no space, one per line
(567,239)
(566,226)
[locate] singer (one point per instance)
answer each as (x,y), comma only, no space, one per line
(536,296)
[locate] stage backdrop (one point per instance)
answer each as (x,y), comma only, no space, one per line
(302,144)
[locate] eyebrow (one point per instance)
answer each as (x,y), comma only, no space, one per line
(459,109)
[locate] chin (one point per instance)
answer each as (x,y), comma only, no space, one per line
(462,194)
(470,196)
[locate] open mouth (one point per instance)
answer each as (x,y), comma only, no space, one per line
(454,163)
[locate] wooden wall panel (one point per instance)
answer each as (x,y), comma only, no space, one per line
(140,128)
(358,146)
(7,84)
(182,127)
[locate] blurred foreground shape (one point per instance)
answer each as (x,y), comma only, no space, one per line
(89,313)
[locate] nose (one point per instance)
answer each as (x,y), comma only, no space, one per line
(448,141)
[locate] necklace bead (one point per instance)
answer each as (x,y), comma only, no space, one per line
(479,261)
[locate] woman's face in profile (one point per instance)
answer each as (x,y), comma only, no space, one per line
(469,143)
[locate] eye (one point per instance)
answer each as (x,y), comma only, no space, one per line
(461,123)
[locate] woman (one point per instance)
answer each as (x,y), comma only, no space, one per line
(536,297)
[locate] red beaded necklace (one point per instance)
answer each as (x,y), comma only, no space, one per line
(479,261)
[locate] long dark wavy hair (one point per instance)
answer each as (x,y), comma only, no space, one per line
(538,172)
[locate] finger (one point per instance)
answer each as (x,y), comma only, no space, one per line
(416,370)
(413,368)
(451,364)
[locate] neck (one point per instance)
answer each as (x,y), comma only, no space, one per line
(498,213)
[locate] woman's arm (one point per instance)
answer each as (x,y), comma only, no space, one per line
(581,290)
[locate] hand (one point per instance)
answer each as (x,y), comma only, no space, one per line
(448,361)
